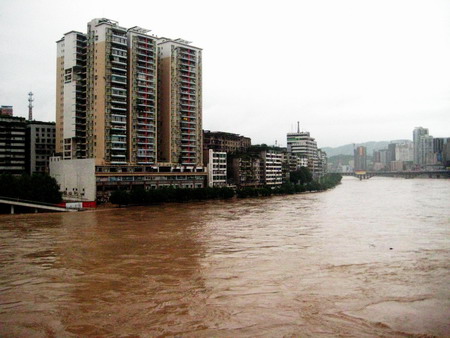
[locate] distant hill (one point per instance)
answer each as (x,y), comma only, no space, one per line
(347,149)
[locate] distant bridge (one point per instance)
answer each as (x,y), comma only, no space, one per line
(361,174)
(32,204)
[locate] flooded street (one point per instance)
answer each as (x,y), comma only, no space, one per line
(367,258)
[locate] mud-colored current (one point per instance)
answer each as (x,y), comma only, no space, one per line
(368,258)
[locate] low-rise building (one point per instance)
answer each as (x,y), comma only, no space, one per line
(271,168)
(246,170)
(225,142)
(217,168)
(81,179)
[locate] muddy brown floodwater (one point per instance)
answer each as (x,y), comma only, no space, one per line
(368,258)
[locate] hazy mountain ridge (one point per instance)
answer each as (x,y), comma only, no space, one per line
(347,149)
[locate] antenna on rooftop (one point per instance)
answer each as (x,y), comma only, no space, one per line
(298,127)
(30,106)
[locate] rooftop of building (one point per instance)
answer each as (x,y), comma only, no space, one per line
(223,133)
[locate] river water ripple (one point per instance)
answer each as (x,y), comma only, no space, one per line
(368,258)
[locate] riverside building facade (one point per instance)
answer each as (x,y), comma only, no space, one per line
(131,102)
(302,145)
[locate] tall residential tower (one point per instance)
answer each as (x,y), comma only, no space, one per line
(180,106)
(109,83)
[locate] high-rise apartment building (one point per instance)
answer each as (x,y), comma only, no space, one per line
(360,158)
(130,104)
(180,103)
(71,96)
(109,83)
(417,134)
(426,154)
(142,96)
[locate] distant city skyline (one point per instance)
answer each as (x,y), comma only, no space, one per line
(348,71)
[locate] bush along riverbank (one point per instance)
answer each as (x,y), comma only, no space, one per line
(326,182)
(140,196)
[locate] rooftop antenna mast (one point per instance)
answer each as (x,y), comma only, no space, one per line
(30,106)
(298,127)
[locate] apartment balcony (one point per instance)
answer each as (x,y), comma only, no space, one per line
(149,93)
(144,66)
(119,40)
(115,126)
(188,103)
(145,45)
(119,122)
(118,101)
(119,60)
(187,86)
(189,69)
(188,133)
(115,109)
(189,124)
(189,118)
(187,63)
(186,110)
(188,92)
(148,155)
(146,118)
(121,143)
(141,137)
(118,93)
(187,75)
(146,127)
(115,81)
(145,143)
(119,68)
(187,80)
(187,56)
(118,148)
(144,52)
(145,59)
(188,97)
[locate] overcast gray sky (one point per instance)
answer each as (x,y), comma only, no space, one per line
(349,71)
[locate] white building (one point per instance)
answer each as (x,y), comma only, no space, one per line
(76,178)
(305,146)
(217,168)
(404,152)
(271,163)
(417,134)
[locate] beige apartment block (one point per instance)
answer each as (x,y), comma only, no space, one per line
(126,97)
(142,97)
(180,105)
(71,96)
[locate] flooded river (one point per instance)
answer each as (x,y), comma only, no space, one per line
(368,258)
